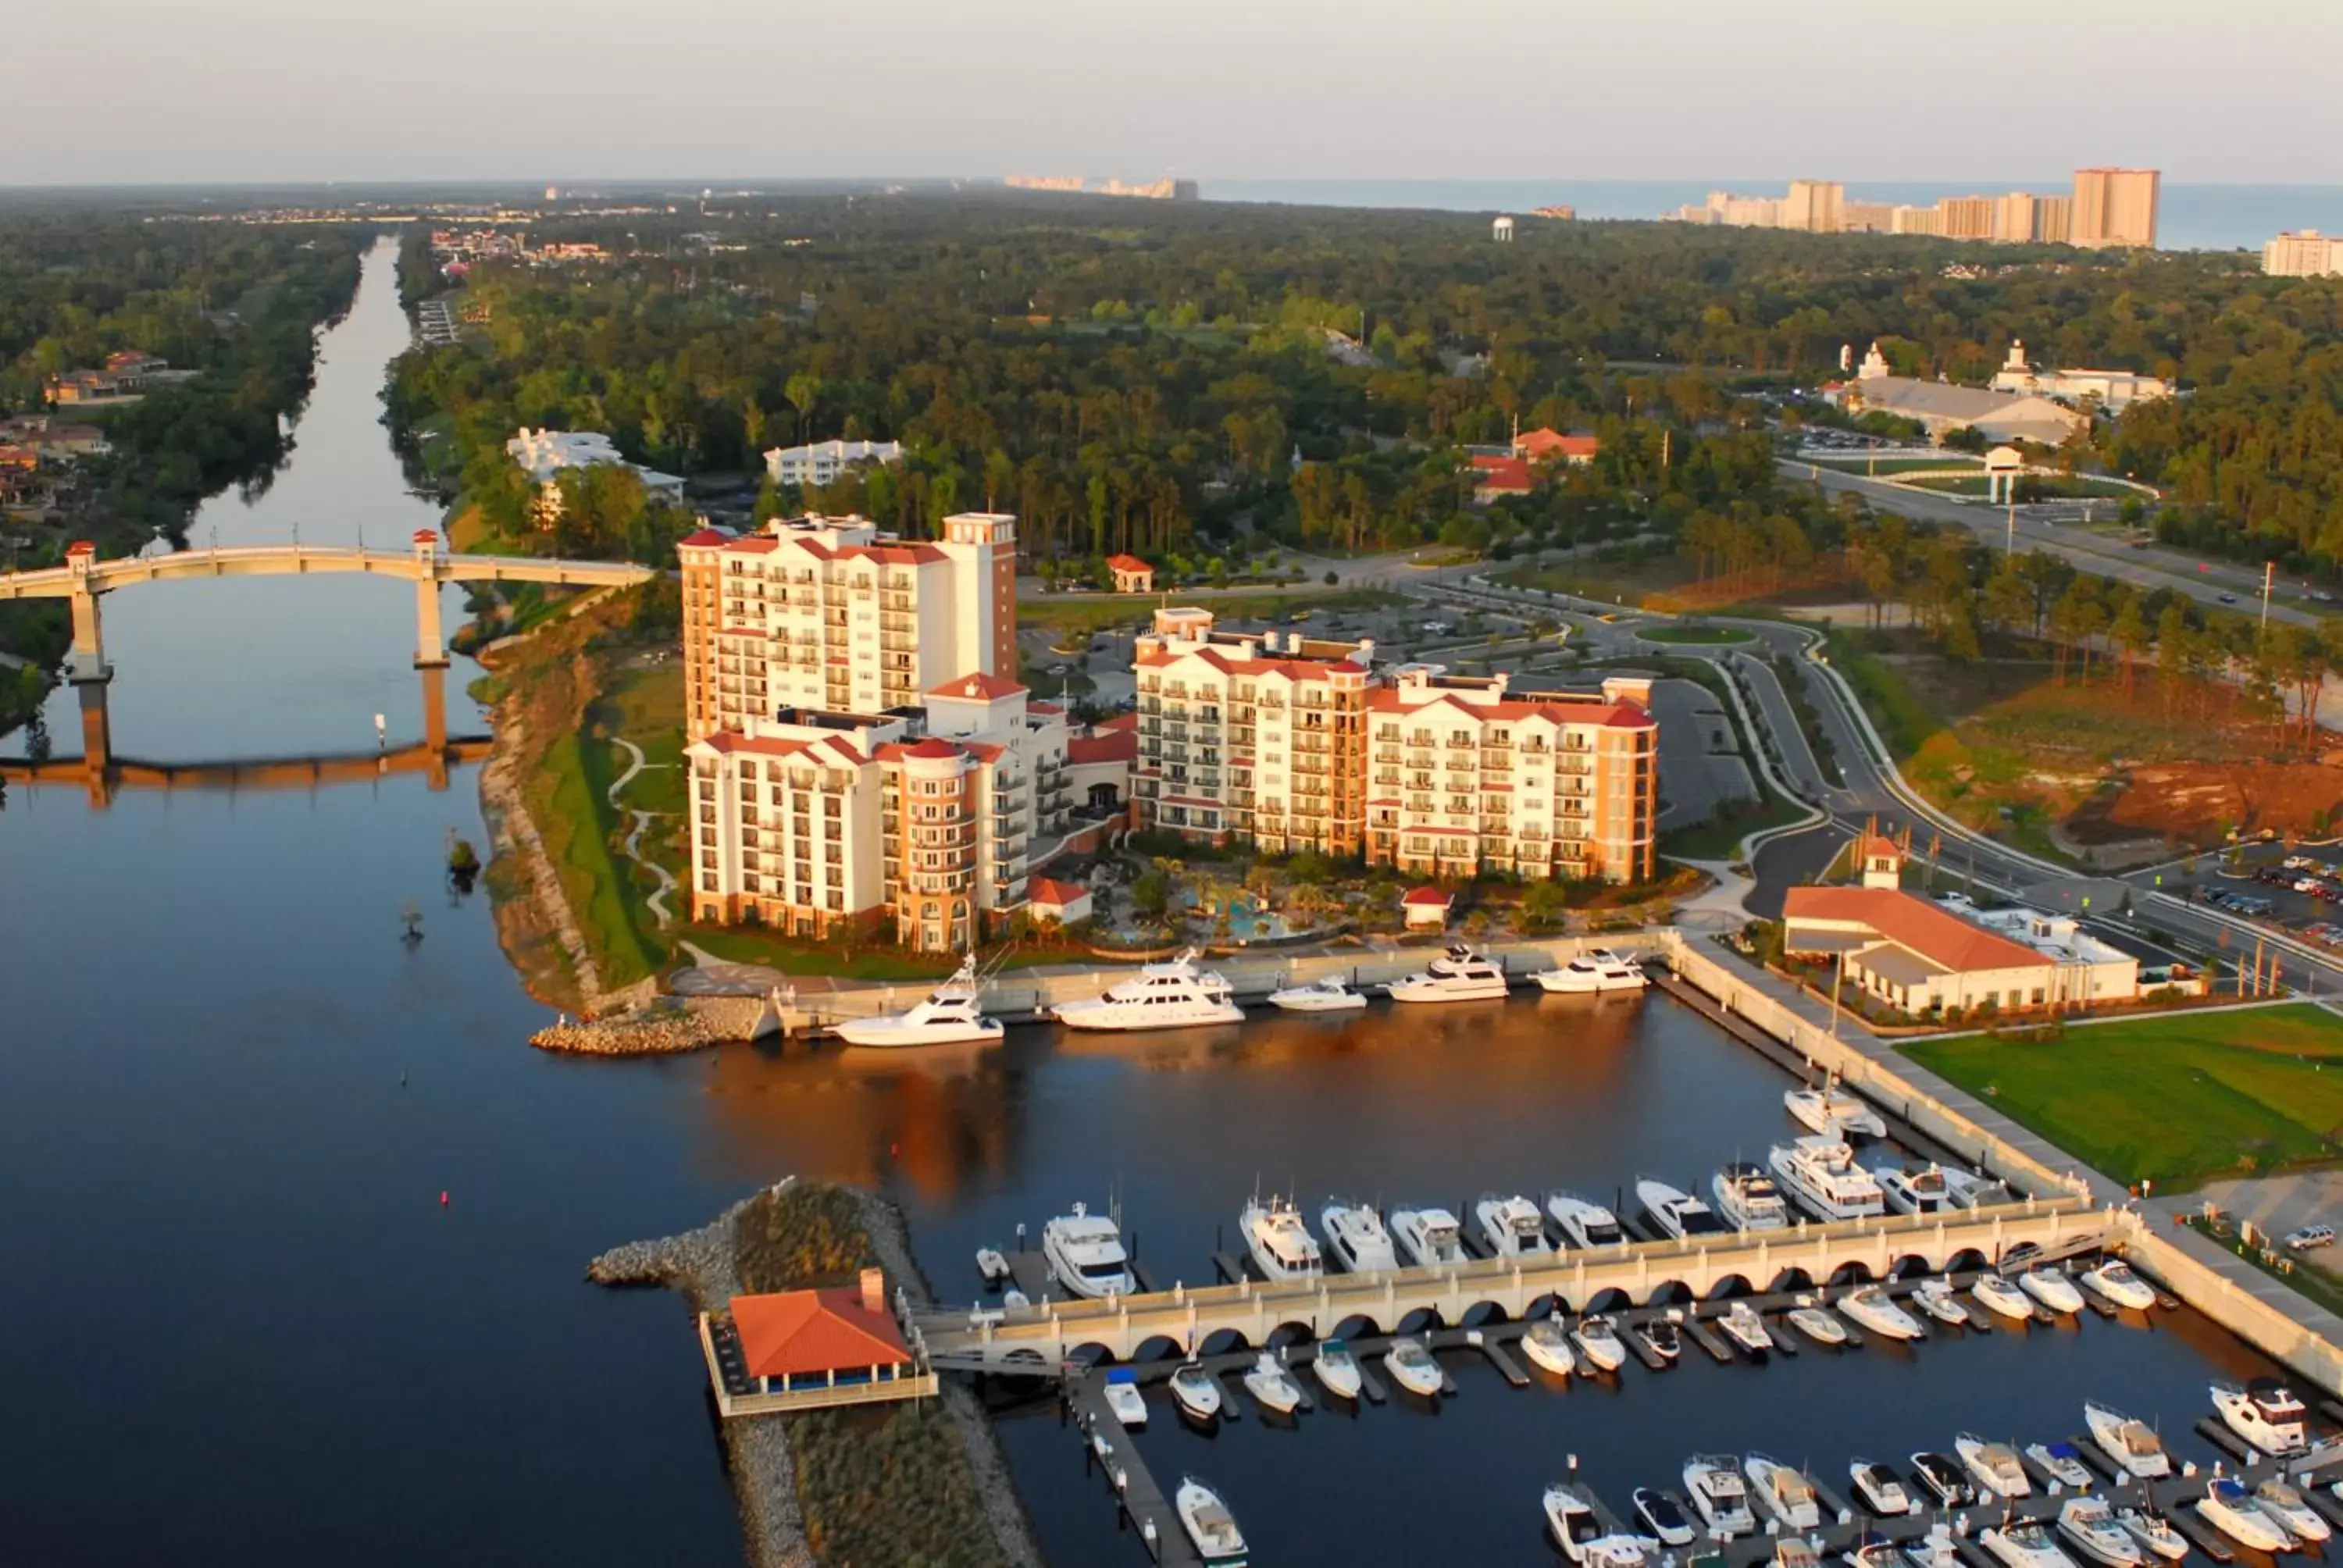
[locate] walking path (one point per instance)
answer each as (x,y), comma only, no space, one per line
(656,902)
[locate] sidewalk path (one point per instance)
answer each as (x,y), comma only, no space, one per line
(656,902)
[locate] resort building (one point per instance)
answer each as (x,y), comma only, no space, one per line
(2309,254)
(2115,207)
(544,454)
(1922,956)
(823,461)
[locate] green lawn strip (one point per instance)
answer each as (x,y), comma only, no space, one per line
(1695,633)
(575,817)
(1718,836)
(1903,719)
(2181,1098)
(1087,613)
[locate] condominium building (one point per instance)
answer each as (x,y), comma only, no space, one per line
(1965,217)
(2053,219)
(2309,254)
(830,614)
(2115,207)
(1818,206)
(823,461)
(544,454)
(2012,217)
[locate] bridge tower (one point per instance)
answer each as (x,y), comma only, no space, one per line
(430,648)
(87,664)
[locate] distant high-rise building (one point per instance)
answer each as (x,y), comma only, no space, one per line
(1965,218)
(2012,217)
(2116,206)
(2053,219)
(2309,254)
(1908,219)
(1818,206)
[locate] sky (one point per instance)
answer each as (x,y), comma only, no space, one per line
(1991,91)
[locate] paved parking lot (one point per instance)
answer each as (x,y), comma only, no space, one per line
(2305,899)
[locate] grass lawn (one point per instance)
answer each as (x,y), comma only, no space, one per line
(1085,614)
(1691,632)
(2181,1098)
(1719,836)
(569,800)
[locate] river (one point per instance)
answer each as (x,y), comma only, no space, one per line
(244,1327)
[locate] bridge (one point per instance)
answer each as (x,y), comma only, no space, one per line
(83,577)
(1251,1315)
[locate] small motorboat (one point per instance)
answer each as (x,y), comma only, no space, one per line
(1013,1297)
(2154,1532)
(2291,1510)
(1993,1466)
(1333,994)
(991,1265)
(2052,1289)
(1934,1297)
(1578,1531)
(1833,1111)
(1942,1479)
(1999,1297)
(2090,1526)
(1583,1222)
(1597,1339)
(1210,1524)
(2231,1509)
(1914,1189)
(1817,1325)
(1428,1238)
(2114,1279)
(2264,1412)
(1547,1344)
(1196,1391)
(1124,1398)
(1971,1191)
(1411,1367)
(1271,1387)
(2062,1462)
(1876,1488)
(1355,1235)
(1660,1337)
(2130,1444)
(1598,970)
(1870,1308)
(1793,1551)
(1458,975)
(1872,1550)
(1933,1549)
(2023,1544)
(1337,1370)
(1748,1198)
(1512,1228)
(1783,1493)
(1741,1325)
(1663,1518)
(1677,1212)
(1719,1496)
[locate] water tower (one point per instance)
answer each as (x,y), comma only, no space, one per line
(1501,231)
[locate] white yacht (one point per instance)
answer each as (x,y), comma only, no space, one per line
(1511,1229)
(2062,1462)
(1412,1366)
(1578,1531)
(1870,1549)
(1933,1549)
(1718,1494)
(1994,1466)
(1547,1344)
(1196,1391)
(1741,1325)
(1935,1298)
(1428,1238)
(1460,974)
(1821,1174)
(2113,1277)
(1356,1236)
(2264,1412)
(1871,1308)
(1816,1325)
(1333,994)
(2053,1289)
(1210,1524)
(1598,970)
(2001,1298)
(1583,1222)
(2128,1443)
(1914,1189)
(1660,1337)
(1337,1370)
(1269,1386)
(1663,1518)
(2231,1509)
(1124,1398)
(1597,1339)
(952,1014)
(1173,995)
(2090,1527)
(1748,1198)
(1941,1476)
(1783,1493)
(1085,1255)
(1877,1489)
(1832,1112)
(1970,1191)
(2291,1510)
(2023,1544)
(2154,1532)
(1279,1244)
(1677,1212)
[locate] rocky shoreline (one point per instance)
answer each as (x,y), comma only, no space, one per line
(656,1026)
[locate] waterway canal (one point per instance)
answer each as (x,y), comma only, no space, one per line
(243,1327)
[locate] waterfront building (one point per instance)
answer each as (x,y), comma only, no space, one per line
(823,461)
(1425,909)
(2113,390)
(1922,956)
(2309,254)
(1132,575)
(2115,207)
(544,454)
(1056,903)
(804,1350)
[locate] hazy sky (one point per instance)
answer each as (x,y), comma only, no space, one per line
(1984,90)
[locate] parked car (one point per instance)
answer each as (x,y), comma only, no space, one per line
(2309,1238)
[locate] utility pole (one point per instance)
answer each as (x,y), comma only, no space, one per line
(1837,983)
(2269,571)
(2010,549)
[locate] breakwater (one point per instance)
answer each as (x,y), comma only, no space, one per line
(662,1027)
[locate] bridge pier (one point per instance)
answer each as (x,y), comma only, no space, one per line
(435,722)
(430,646)
(96,743)
(87,663)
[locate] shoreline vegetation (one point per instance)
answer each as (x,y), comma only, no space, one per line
(921,1483)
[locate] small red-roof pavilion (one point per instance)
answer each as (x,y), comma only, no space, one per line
(805,1339)
(1427,907)
(1132,575)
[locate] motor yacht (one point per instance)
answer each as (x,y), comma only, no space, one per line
(1279,1244)
(1662,1517)
(2062,1462)
(1877,1489)
(1512,1228)
(2264,1412)
(1747,1198)
(1356,1236)
(1124,1398)
(1172,995)
(1583,1222)
(1870,1308)
(2053,1289)
(1196,1391)
(2023,1544)
(2291,1510)
(1795,1551)
(1943,1479)
(1783,1493)
(1460,974)
(1547,1344)
(1598,970)
(1972,1191)
(1337,1370)
(1934,1297)
(952,1014)
(2090,1526)
(1085,1255)
(1209,1525)
(1411,1367)
(1817,1325)
(1933,1549)
(1741,1324)
(1660,1337)
(1428,1238)
(1333,994)
(1578,1531)
(1833,1113)
(1677,1212)
(2130,1444)
(1820,1174)
(2002,1298)
(2114,1279)
(1993,1466)
(2231,1509)
(1271,1388)
(1597,1339)
(1914,1189)
(1718,1494)
(2154,1532)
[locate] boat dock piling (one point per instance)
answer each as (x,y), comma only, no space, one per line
(1704,1336)
(2228,1441)
(1507,1368)
(1142,1502)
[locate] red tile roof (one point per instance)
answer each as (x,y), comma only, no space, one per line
(1541,444)
(1128,564)
(829,749)
(1426,898)
(702,539)
(1120,721)
(1557,710)
(1122,746)
(1493,473)
(792,1332)
(1929,930)
(1049,890)
(990,688)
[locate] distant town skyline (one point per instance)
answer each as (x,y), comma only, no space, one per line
(1996,93)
